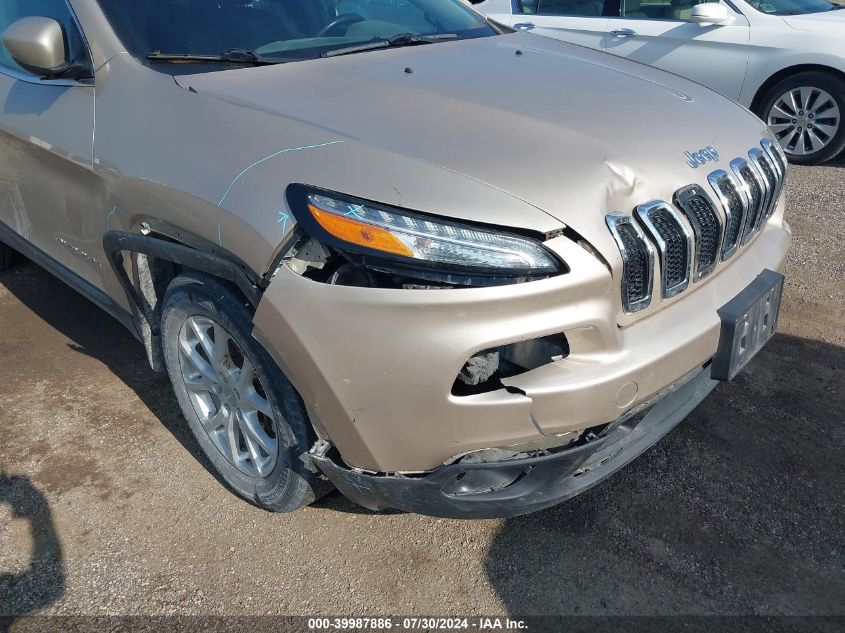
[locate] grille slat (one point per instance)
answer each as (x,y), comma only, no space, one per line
(755,195)
(706,224)
(637,262)
(765,170)
(735,207)
(778,161)
(674,245)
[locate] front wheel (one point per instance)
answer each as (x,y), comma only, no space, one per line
(243,411)
(805,112)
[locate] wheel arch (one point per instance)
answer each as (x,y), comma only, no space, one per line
(767,85)
(159,253)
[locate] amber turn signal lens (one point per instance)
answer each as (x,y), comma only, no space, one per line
(355,232)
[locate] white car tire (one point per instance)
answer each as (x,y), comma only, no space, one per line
(806,112)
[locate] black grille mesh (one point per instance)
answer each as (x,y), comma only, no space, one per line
(704,218)
(635,277)
(676,255)
(734,223)
(757,199)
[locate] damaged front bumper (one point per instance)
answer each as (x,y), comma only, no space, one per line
(520,486)
(376,367)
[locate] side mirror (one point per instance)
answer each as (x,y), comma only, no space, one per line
(38,46)
(710,14)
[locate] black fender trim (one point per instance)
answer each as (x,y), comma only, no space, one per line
(115,243)
(180,236)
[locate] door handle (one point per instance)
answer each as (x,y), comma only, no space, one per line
(623,33)
(524,26)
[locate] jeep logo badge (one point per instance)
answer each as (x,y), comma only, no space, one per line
(701,157)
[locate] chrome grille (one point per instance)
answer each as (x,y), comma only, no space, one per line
(637,262)
(775,152)
(755,194)
(693,235)
(778,159)
(706,224)
(674,245)
(766,169)
(734,205)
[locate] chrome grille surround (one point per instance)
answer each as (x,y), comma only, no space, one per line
(766,169)
(754,190)
(674,244)
(706,223)
(778,158)
(777,154)
(637,262)
(734,204)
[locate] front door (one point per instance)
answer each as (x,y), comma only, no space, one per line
(659,33)
(47,183)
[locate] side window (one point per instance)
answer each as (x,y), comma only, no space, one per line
(660,9)
(585,8)
(13,10)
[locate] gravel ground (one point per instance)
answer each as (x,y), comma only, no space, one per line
(106,507)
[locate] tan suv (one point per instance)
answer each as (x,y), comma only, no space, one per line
(364,259)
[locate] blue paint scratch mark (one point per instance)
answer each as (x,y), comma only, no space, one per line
(111,213)
(219,235)
(283,220)
(354,211)
(354,484)
(271,156)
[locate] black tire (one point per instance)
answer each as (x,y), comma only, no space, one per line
(293,482)
(834,86)
(7,256)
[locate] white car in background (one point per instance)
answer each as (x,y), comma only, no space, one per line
(783,59)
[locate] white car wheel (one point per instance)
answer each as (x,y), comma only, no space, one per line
(805,112)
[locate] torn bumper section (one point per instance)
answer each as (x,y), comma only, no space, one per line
(517,486)
(377,367)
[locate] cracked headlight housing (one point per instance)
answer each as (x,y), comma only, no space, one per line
(397,241)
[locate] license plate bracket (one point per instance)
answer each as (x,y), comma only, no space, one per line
(748,320)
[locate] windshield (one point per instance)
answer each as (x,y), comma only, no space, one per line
(279,30)
(793,7)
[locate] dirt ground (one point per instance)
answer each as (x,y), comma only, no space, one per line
(107,508)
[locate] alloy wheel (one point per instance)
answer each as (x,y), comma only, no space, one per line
(227,396)
(805,120)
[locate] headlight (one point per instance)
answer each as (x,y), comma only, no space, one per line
(409,239)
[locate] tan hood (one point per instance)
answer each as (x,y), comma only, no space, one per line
(573,132)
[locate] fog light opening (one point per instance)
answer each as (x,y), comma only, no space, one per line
(483,372)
